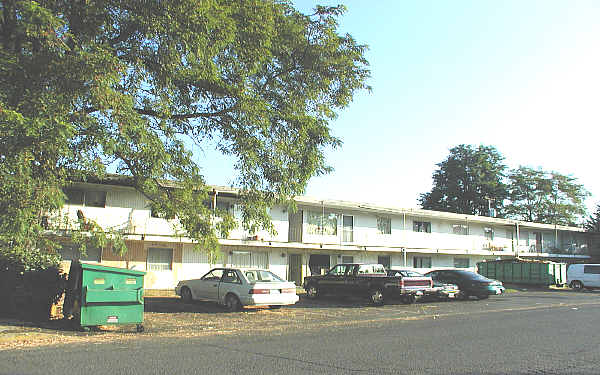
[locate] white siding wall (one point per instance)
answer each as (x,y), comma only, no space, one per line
(194,263)
(127,210)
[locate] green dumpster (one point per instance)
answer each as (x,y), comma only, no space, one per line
(521,271)
(99,295)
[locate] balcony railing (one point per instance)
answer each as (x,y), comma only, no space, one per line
(566,249)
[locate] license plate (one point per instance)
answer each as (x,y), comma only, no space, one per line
(274,291)
(112,319)
(451,295)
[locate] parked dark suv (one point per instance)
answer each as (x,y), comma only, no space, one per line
(469,283)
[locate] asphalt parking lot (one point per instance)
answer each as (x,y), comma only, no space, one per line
(170,317)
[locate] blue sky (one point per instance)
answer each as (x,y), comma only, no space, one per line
(522,76)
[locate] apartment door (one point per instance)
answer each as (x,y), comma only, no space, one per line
(538,242)
(348,233)
(295,226)
(295,268)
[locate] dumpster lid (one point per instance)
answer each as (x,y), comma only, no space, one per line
(520,260)
(98,267)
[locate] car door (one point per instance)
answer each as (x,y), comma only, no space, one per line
(333,281)
(449,278)
(207,286)
(351,280)
(230,282)
(591,275)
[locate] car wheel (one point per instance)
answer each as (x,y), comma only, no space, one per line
(376,297)
(577,285)
(186,294)
(312,291)
(407,300)
(232,303)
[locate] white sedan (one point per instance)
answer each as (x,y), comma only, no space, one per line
(238,287)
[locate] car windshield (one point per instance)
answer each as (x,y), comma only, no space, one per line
(472,276)
(254,276)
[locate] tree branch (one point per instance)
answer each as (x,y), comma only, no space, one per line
(182,116)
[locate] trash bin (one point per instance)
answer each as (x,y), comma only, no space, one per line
(521,271)
(99,295)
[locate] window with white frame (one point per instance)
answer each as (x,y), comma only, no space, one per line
(319,223)
(422,226)
(461,263)
(488,233)
(422,262)
(460,229)
(88,198)
(159,259)
(384,225)
(347,259)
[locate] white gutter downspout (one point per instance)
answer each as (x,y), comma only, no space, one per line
(215,193)
(518,239)
(555,237)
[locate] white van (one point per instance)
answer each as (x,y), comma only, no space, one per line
(581,276)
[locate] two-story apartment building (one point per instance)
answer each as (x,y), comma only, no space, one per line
(318,235)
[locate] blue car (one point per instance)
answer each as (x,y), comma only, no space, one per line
(469,283)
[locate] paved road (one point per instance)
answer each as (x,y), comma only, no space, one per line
(522,333)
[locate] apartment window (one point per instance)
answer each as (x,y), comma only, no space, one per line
(488,233)
(89,198)
(422,226)
(460,229)
(422,262)
(348,233)
(319,223)
(347,259)
(461,262)
(384,225)
(385,260)
(160,259)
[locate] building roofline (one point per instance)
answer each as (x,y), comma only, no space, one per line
(122,180)
(366,207)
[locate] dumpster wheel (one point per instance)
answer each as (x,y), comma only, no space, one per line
(139,328)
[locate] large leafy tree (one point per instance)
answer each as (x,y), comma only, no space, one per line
(129,86)
(469,181)
(545,197)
